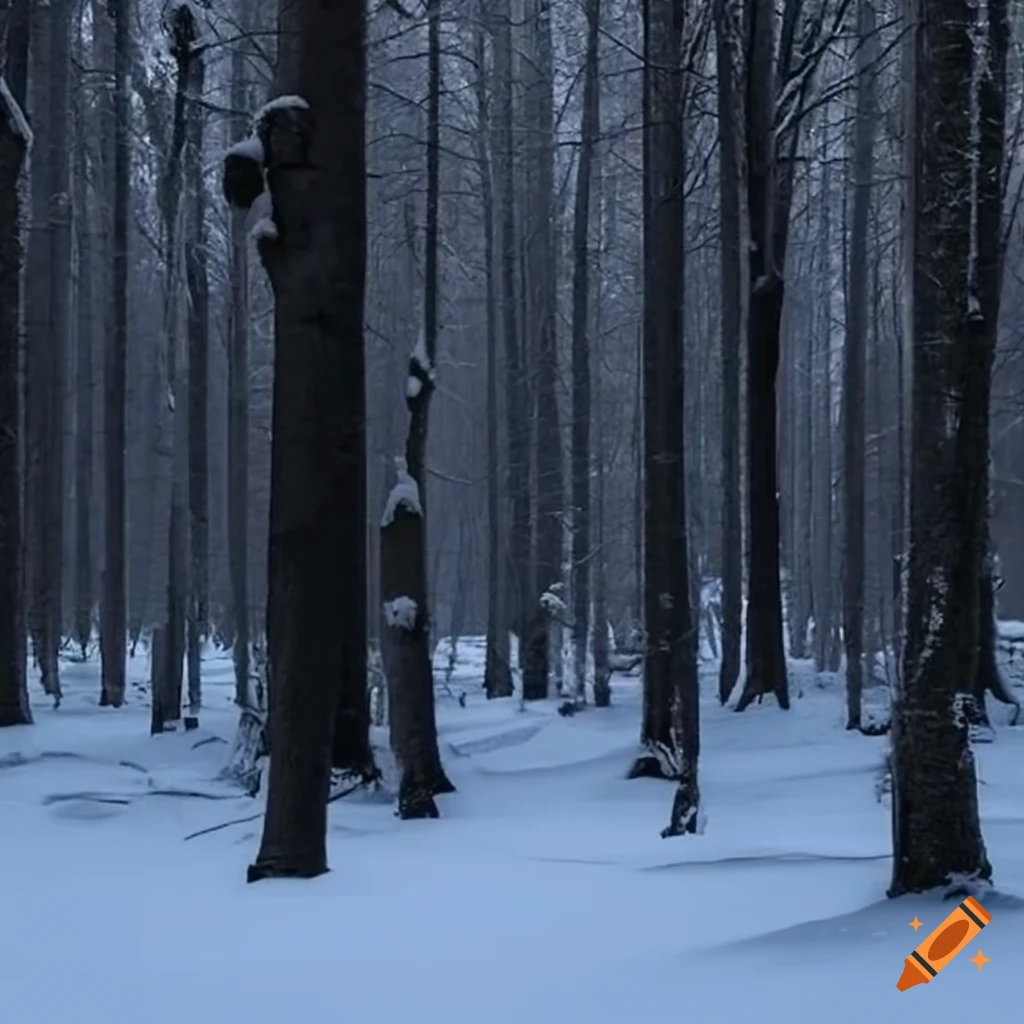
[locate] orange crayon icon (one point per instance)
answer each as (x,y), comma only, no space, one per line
(943,944)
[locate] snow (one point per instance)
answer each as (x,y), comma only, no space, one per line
(400,612)
(16,115)
(419,354)
(250,148)
(287,102)
(405,494)
(264,228)
(543,892)
(412,387)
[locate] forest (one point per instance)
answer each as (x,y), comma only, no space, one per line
(462,443)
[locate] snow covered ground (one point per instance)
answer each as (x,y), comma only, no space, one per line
(544,893)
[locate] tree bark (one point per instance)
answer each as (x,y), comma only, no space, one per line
(497,663)
(15,139)
(84,385)
(854,367)
(937,839)
(765,655)
(581,386)
(991,257)
(113,610)
(546,560)
(516,402)
(726,40)
(197,279)
(238,410)
(312,144)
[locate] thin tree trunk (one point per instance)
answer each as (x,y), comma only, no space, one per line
(546,560)
(765,655)
(854,362)
(497,664)
(84,386)
(113,610)
(581,386)
(14,144)
(726,32)
(196,269)
(238,410)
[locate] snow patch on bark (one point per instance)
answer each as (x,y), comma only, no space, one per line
(405,494)
(264,228)
(287,102)
(419,354)
(400,613)
(412,387)
(250,148)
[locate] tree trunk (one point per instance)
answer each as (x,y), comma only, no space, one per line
(14,143)
(83,389)
(196,270)
(991,256)
(238,411)
(937,838)
(310,150)
(497,663)
(765,655)
(411,673)
(113,610)
(581,547)
(726,32)
(670,656)
(166,701)
(546,560)
(854,362)
(516,404)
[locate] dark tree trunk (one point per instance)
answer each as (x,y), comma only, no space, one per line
(14,142)
(313,150)
(991,255)
(113,609)
(726,33)
(166,698)
(670,656)
(84,384)
(937,837)
(238,412)
(497,663)
(546,554)
(765,656)
(854,362)
(581,548)
(197,277)
(403,542)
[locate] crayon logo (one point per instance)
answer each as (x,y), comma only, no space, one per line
(946,942)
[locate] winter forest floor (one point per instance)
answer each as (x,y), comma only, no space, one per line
(544,892)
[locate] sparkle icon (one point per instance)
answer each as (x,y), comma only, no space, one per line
(915,924)
(980,959)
